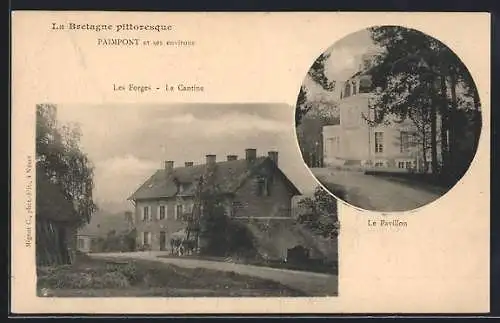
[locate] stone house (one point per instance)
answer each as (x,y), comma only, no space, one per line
(253,187)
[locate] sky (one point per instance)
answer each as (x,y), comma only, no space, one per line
(344,61)
(128,143)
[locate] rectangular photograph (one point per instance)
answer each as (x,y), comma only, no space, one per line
(178,200)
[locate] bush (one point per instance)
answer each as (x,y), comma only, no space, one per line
(62,279)
(130,272)
(111,280)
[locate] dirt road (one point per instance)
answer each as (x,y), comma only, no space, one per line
(373,192)
(313,284)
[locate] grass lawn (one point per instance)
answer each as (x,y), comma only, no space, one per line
(89,277)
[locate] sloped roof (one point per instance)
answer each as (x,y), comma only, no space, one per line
(228,176)
(51,202)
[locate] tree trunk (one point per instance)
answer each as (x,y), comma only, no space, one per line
(424,152)
(444,123)
(434,162)
(451,121)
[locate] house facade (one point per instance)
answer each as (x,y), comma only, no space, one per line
(249,187)
(354,141)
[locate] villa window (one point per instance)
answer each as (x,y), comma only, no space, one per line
(365,85)
(405,164)
(334,145)
(353,88)
(405,142)
(347,91)
(379,142)
(81,243)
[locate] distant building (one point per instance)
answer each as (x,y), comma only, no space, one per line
(253,187)
(354,142)
(100,226)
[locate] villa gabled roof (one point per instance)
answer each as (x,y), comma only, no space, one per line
(228,176)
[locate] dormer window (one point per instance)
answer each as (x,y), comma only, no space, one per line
(263,186)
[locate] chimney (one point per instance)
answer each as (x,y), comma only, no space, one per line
(210,160)
(188,164)
(273,155)
(232,157)
(169,166)
(250,154)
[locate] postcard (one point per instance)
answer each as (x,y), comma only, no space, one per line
(258,162)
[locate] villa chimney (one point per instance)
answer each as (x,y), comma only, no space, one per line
(188,164)
(273,155)
(250,154)
(232,157)
(169,166)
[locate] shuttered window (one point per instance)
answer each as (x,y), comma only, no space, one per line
(162,211)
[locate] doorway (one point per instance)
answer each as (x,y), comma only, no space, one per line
(163,241)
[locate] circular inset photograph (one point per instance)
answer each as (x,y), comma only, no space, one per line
(388,119)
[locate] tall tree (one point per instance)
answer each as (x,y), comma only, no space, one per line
(58,154)
(321,214)
(317,73)
(302,106)
(416,66)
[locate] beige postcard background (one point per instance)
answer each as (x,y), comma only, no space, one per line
(438,263)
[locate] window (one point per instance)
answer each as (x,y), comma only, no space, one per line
(146,215)
(404,142)
(365,85)
(161,212)
(81,243)
(334,145)
(146,238)
(178,211)
(379,142)
(354,88)
(408,164)
(263,186)
(347,91)
(379,164)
